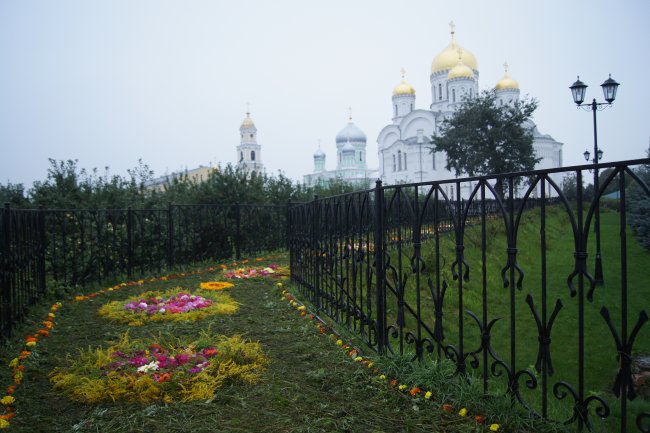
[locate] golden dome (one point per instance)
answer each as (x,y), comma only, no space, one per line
(461,70)
(448,58)
(507,82)
(248,122)
(403,88)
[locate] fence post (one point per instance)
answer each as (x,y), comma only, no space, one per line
(238,231)
(129,242)
(42,248)
(5,276)
(170,236)
(288,233)
(379,268)
(315,252)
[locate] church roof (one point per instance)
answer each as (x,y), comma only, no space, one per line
(448,58)
(351,132)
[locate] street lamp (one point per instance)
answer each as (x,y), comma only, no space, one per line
(578,90)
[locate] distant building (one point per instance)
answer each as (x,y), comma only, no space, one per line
(403,145)
(196,175)
(249,152)
(351,166)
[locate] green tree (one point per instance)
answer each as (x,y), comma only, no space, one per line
(639,206)
(14,194)
(483,138)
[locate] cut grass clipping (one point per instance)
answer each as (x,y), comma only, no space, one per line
(173,305)
(157,370)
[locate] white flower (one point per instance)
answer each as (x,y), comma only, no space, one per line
(153,365)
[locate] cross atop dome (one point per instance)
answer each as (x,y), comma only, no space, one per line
(452,28)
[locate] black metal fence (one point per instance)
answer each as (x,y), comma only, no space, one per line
(74,247)
(501,281)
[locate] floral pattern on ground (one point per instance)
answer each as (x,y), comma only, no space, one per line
(134,370)
(174,305)
(216,285)
(256,272)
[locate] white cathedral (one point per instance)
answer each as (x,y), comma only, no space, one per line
(403,145)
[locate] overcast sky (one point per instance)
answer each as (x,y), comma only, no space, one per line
(109,82)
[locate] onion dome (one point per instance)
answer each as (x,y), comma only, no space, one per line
(507,82)
(348,148)
(461,70)
(319,153)
(351,132)
(248,122)
(403,88)
(448,58)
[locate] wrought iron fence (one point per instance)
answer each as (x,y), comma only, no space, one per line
(500,282)
(74,247)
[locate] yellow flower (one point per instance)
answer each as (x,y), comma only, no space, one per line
(370,365)
(302,308)
(463,412)
(4,423)
(402,387)
(30,344)
(216,285)
(14,362)
(382,377)
(358,359)
(8,400)
(494,427)
(279,284)
(339,342)
(428,395)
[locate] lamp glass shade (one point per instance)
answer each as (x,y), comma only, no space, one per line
(578,90)
(587,155)
(609,89)
(600,154)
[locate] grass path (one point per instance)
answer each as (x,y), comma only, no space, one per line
(310,386)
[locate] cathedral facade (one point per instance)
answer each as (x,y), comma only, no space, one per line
(404,145)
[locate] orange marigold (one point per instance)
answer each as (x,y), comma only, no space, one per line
(447,407)
(415,391)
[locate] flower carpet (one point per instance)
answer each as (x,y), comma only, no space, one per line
(173,305)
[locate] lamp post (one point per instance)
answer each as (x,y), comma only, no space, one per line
(578,90)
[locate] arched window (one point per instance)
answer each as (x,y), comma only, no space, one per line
(433,156)
(411,107)
(252,155)
(241,156)
(395,110)
(405,161)
(453,95)
(251,135)
(470,92)
(361,156)
(399,160)
(439,91)
(394,167)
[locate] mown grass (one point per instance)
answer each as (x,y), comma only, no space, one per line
(310,385)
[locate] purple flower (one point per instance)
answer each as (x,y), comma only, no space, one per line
(138,361)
